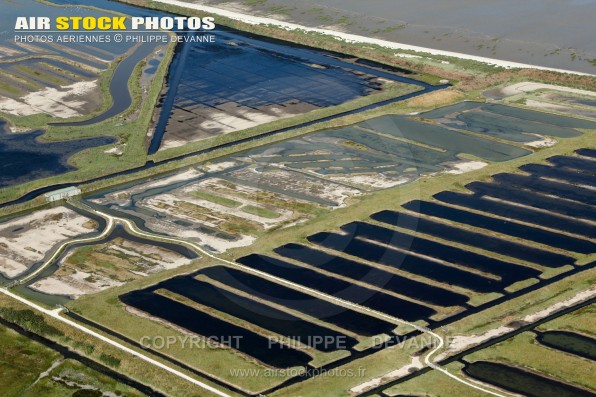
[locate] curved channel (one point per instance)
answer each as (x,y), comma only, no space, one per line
(121,98)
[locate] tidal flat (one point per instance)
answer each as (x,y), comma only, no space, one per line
(556,34)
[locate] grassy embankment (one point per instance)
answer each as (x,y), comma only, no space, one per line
(580,321)
(525,352)
(436,384)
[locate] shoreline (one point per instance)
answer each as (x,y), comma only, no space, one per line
(352,38)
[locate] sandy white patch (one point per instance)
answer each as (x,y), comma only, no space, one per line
(404,55)
(545,142)
(122,197)
(377,181)
(25,240)
(206,240)
(59,103)
(462,168)
(580,297)
(75,285)
(115,151)
(217,167)
(415,365)
(72,281)
(525,87)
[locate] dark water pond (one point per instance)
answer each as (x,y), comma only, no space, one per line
(257,313)
(544,186)
(350,320)
(26,158)
(586,102)
(531,216)
(371,275)
(569,342)
(506,227)
(587,152)
(566,175)
(533,199)
(586,166)
(520,381)
(239,338)
(466,237)
(152,67)
(403,261)
(508,272)
(341,289)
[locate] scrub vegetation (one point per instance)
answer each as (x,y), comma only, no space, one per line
(32,369)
